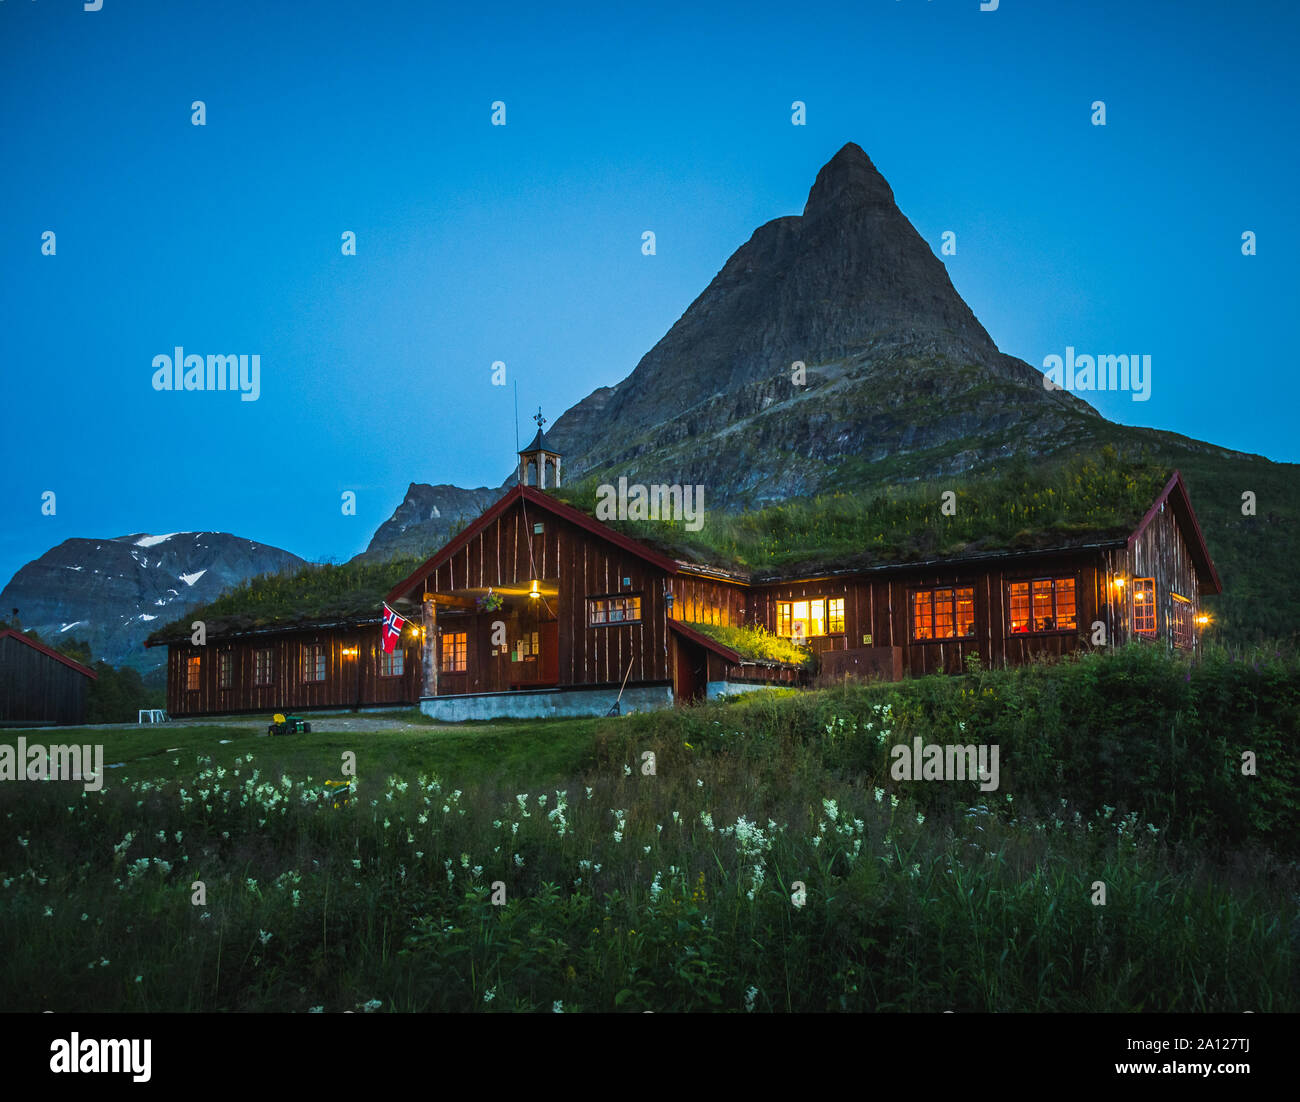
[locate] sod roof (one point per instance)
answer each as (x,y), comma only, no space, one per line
(1097,502)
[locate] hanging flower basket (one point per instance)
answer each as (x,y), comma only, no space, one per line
(490,602)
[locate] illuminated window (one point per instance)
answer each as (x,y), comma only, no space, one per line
(1044,604)
(815,616)
(225,670)
(1180,621)
(922,616)
(1144,606)
(947,613)
(391,665)
(313,662)
(603,611)
(192,674)
(455,651)
(263,661)
(964,601)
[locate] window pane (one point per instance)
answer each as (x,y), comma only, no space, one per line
(965,613)
(783,619)
(1065,608)
(1144,606)
(817,617)
(455,651)
(1020,607)
(1181,621)
(835,615)
(392,665)
(943,614)
(1044,617)
(922,617)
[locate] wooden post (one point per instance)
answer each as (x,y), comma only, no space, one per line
(430,652)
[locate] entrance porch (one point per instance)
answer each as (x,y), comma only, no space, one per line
(472,647)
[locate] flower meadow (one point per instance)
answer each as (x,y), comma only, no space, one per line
(770,863)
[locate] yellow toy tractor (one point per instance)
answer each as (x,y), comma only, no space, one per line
(288,725)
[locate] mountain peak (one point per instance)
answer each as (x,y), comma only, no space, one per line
(848,179)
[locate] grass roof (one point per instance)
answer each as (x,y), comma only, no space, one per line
(1017,508)
(314,596)
(755,643)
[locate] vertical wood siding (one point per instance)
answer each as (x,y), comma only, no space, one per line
(508,553)
(36,689)
(1160,552)
(288,691)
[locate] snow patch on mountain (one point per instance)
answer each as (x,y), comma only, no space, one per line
(150,541)
(190,579)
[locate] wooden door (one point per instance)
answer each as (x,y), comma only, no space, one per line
(549,663)
(690,671)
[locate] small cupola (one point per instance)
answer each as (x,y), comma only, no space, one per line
(535,458)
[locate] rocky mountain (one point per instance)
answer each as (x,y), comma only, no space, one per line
(427,518)
(900,379)
(898,369)
(113,592)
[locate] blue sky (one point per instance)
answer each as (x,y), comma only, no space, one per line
(522,243)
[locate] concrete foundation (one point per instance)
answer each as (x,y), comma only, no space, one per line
(545,703)
(715,689)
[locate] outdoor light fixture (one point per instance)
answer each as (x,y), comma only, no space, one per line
(1119,582)
(534,592)
(1202,619)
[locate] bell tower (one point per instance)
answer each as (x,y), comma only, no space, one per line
(536,457)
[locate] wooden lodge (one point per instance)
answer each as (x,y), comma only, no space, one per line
(40,687)
(536,608)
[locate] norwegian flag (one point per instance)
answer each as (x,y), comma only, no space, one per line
(393,625)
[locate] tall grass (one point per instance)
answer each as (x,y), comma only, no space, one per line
(769,863)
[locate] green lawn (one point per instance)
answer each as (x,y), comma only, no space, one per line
(509,755)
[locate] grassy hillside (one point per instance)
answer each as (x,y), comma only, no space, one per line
(770,861)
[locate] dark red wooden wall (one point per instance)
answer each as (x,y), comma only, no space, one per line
(288,690)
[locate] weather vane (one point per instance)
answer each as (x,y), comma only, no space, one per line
(539,419)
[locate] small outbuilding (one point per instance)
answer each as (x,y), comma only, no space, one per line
(39,687)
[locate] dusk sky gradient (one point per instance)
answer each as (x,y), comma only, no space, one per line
(523,243)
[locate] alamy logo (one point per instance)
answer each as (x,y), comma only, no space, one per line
(933,762)
(637,502)
(56,763)
(89,1055)
(1075,373)
(181,372)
